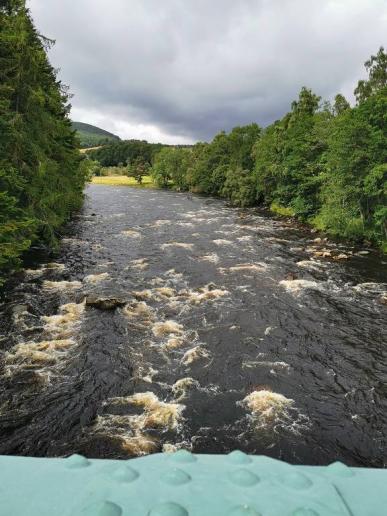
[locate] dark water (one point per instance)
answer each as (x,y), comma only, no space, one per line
(280,351)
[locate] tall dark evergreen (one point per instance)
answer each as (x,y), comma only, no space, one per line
(41,173)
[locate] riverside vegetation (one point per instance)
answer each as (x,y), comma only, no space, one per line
(42,174)
(323,163)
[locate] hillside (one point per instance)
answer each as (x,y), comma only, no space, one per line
(91,136)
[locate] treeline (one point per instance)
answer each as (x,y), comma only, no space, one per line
(41,171)
(322,163)
(125,152)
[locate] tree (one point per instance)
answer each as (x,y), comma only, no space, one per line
(11,6)
(160,171)
(376,67)
(41,180)
(125,152)
(210,162)
(138,169)
(171,165)
(354,194)
(307,103)
(90,168)
(288,156)
(341,104)
(239,187)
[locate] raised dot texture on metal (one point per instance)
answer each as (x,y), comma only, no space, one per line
(176,477)
(125,474)
(296,480)
(183,484)
(243,478)
(339,469)
(183,456)
(77,461)
(168,509)
(238,457)
(104,508)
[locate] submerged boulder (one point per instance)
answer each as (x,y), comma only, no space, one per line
(104,303)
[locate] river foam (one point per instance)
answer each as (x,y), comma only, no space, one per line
(133,431)
(59,335)
(96,278)
(61,285)
(274,413)
(182,245)
(194,354)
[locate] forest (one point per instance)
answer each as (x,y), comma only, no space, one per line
(323,163)
(119,154)
(42,173)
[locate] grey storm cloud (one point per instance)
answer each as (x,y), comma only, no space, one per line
(182,70)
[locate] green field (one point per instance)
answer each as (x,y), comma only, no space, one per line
(123,181)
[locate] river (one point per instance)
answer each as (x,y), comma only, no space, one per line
(170,321)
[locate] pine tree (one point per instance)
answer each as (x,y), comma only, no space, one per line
(41,180)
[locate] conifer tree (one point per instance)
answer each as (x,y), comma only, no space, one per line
(41,176)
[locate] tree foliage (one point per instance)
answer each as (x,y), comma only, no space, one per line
(289,156)
(128,151)
(211,168)
(171,165)
(41,177)
(325,164)
(376,67)
(353,193)
(138,169)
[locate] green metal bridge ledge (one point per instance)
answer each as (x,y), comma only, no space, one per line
(183,484)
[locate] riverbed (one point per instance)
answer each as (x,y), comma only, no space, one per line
(170,321)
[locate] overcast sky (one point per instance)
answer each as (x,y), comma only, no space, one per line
(179,71)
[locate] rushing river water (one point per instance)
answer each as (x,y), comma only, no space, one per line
(174,321)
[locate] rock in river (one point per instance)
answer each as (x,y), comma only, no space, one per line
(105,303)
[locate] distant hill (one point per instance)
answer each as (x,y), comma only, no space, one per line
(91,136)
